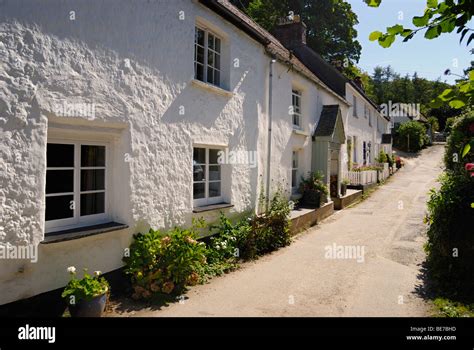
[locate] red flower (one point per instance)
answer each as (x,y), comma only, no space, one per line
(470,167)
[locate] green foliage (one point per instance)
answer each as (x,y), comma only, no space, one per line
(383,157)
(438,18)
(330,23)
(164,262)
(86,288)
(313,182)
(450,244)
(461,138)
(411,136)
(449,308)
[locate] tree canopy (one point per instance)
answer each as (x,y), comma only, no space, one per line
(330,24)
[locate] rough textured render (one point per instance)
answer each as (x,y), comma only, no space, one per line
(113,56)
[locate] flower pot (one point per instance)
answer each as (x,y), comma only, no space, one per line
(89,308)
(312,198)
(343,189)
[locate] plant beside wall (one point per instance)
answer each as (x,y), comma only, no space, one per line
(86,297)
(314,190)
(345,182)
(450,244)
(382,158)
(165,262)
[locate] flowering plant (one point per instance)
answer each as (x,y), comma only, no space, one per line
(87,288)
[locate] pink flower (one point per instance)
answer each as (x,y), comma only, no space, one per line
(470,167)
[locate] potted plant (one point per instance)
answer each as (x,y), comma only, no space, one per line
(344,185)
(86,297)
(313,189)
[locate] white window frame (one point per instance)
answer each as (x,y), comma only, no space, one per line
(354,106)
(296,95)
(201,202)
(205,64)
(295,169)
(77,220)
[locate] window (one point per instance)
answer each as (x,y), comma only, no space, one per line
(364,152)
(370,117)
(207,180)
(207,57)
(354,106)
(294,171)
(366,111)
(75,184)
(296,104)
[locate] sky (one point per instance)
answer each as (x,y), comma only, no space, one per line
(430,58)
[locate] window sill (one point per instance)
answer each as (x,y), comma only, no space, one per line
(212,207)
(212,88)
(300,132)
(81,232)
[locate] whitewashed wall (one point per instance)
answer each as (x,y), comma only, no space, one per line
(134,62)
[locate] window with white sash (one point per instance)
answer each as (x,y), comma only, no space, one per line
(207,57)
(76,184)
(207,176)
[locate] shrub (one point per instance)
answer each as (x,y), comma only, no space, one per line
(164,262)
(390,160)
(314,182)
(271,230)
(450,245)
(462,135)
(382,158)
(413,131)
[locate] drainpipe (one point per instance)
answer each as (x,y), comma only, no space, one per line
(269,147)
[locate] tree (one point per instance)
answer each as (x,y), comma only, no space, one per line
(439,17)
(330,24)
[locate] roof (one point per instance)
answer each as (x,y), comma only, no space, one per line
(386,139)
(327,121)
(273,47)
(325,71)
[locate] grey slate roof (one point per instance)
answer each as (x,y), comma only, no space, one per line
(327,121)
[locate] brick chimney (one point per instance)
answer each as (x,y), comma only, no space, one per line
(291,32)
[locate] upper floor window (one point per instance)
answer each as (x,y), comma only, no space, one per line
(296,108)
(76,184)
(366,111)
(354,106)
(370,117)
(207,177)
(207,57)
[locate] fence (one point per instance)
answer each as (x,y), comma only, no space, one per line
(362,177)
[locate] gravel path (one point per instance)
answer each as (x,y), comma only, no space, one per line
(301,280)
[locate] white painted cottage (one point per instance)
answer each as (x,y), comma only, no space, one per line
(117,116)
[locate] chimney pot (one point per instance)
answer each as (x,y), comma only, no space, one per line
(291,33)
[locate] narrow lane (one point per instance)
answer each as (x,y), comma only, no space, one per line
(301,280)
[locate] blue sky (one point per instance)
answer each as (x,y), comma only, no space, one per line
(430,58)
